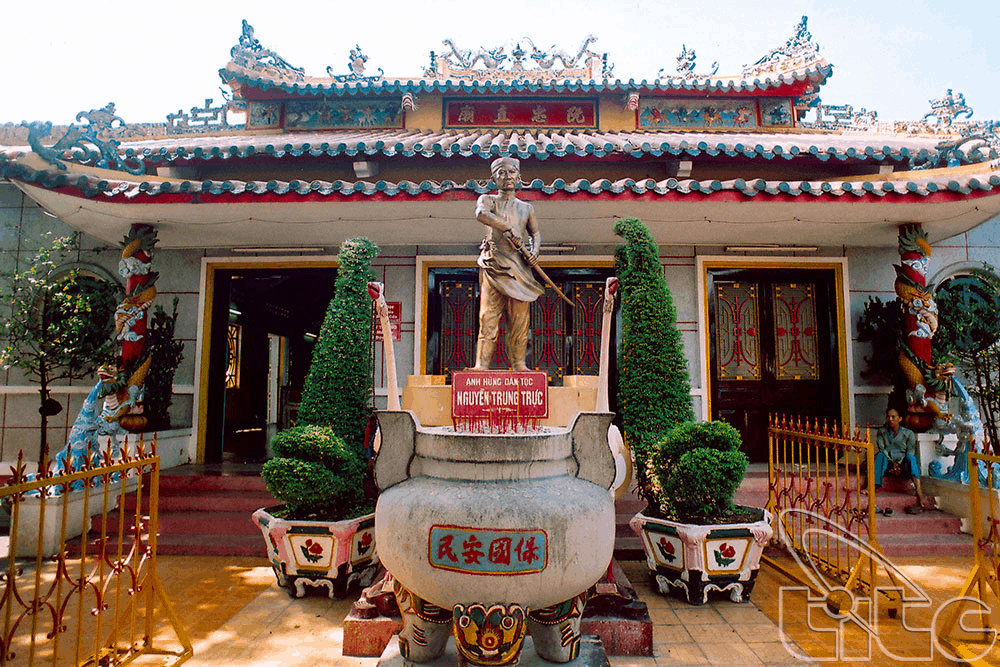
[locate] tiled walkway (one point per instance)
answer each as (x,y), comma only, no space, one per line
(236,615)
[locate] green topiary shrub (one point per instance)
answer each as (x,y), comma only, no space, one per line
(654,389)
(320,469)
(338,388)
(694,472)
(316,474)
(166,353)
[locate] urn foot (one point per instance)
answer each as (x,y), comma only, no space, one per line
(556,629)
(489,636)
(426,627)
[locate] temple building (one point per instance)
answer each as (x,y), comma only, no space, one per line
(776,215)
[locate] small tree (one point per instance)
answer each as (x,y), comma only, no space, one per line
(654,389)
(881,325)
(167,354)
(320,469)
(968,335)
(338,389)
(60,324)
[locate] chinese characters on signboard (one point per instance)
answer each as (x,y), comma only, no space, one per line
(521,113)
(487,551)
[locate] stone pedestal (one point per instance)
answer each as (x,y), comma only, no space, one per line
(592,654)
(619,619)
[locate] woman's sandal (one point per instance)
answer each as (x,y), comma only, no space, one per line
(914,509)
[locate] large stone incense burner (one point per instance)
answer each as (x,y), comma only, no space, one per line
(489,534)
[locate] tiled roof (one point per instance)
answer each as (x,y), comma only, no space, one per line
(538,144)
(985,178)
(816,73)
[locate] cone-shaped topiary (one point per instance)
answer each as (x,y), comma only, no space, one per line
(654,390)
(338,389)
(320,469)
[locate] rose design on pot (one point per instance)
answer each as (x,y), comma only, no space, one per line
(365,543)
(725,555)
(667,550)
(312,551)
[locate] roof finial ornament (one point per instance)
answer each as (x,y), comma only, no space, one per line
(546,59)
(948,108)
(685,65)
(356,63)
(798,50)
(251,54)
(90,143)
(462,63)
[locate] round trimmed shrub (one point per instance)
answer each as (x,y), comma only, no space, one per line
(696,469)
(316,474)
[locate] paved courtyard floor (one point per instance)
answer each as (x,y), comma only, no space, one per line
(235,614)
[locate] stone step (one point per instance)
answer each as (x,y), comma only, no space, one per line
(188,523)
(173,484)
(212,501)
(954,544)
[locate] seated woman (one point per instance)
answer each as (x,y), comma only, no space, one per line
(897,455)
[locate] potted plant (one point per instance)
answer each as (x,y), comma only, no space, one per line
(687,472)
(324,533)
(694,537)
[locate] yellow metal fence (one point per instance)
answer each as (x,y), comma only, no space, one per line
(823,502)
(983,582)
(79,583)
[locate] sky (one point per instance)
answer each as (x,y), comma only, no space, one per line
(152,59)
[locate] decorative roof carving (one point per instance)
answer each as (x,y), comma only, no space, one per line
(494,64)
(948,108)
(357,65)
(86,144)
(200,119)
(685,65)
(797,52)
(249,53)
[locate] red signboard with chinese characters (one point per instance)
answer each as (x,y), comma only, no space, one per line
(521,113)
(395,322)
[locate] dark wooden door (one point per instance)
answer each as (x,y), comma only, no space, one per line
(773,347)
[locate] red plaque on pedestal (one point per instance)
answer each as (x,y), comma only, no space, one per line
(499,401)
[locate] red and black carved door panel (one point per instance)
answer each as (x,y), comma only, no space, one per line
(773,347)
(562,340)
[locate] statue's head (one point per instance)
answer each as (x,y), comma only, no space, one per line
(504,168)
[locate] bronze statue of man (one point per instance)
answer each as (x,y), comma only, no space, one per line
(506,283)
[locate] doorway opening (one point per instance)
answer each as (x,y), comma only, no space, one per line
(264,325)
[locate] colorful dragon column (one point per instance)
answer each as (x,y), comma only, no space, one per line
(928,384)
(123,391)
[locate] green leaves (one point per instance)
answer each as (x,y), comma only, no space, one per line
(654,389)
(315,474)
(60,323)
(697,466)
(338,389)
(167,355)
(321,466)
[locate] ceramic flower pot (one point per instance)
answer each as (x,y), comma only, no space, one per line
(700,559)
(330,554)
